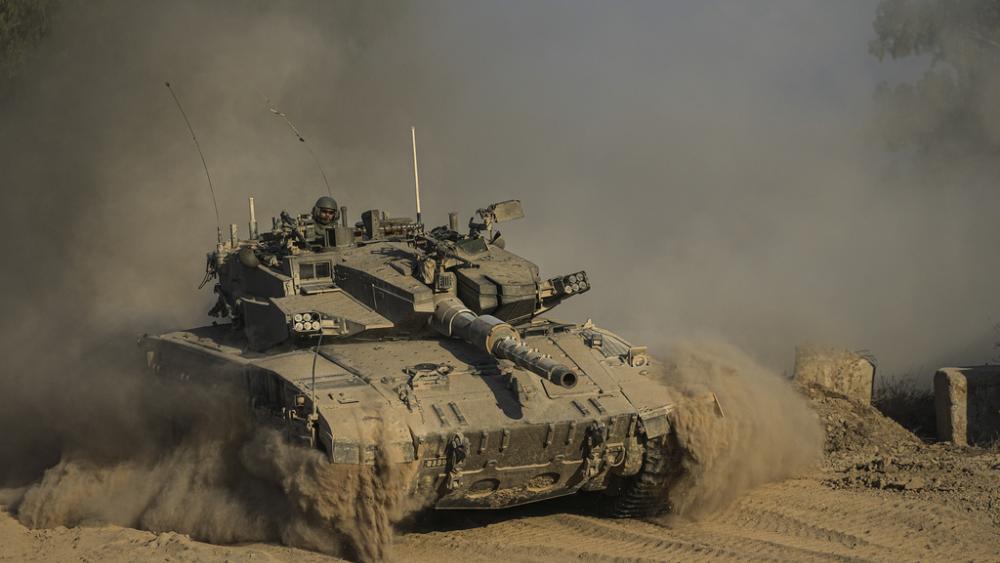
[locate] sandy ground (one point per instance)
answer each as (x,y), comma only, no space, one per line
(880,495)
(802,519)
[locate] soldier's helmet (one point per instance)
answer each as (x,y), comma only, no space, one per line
(322,210)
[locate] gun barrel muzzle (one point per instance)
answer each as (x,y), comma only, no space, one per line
(499,339)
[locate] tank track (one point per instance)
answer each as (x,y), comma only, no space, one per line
(646,493)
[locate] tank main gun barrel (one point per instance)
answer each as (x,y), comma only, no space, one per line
(497,338)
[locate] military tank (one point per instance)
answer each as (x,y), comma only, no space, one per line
(437,338)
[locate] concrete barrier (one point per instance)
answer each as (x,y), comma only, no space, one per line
(967,404)
(845,372)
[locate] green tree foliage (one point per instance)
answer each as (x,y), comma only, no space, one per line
(22,25)
(954,107)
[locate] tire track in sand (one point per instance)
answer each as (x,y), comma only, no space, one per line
(799,520)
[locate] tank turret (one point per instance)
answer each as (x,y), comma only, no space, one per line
(382,276)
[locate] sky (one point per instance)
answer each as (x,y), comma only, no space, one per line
(714,166)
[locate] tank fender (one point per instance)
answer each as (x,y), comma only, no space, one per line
(652,403)
(355,435)
(656,422)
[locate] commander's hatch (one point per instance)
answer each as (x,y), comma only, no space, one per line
(316,288)
(496,213)
(506,211)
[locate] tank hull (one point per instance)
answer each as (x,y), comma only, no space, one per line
(481,433)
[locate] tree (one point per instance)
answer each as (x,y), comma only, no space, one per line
(954,107)
(23,23)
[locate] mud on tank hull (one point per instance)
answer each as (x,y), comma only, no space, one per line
(483,433)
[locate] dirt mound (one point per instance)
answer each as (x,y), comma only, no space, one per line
(867,450)
(961,478)
(853,427)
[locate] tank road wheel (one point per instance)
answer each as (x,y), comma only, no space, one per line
(646,493)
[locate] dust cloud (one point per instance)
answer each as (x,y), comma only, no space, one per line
(713,166)
(764,432)
(213,476)
(710,164)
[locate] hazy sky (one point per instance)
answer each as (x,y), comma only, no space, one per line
(713,165)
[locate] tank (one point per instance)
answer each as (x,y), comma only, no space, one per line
(435,342)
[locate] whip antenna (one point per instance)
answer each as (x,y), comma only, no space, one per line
(416,173)
(211,188)
(302,139)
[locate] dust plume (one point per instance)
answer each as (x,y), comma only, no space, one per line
(226,482)
(713,166)
(361,503)
(710,164)
(766,432)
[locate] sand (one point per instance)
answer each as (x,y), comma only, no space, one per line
(879,495)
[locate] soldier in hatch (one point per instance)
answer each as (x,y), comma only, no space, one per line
(325,215)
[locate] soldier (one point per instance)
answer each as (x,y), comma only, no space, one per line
(325,215)
(325,212)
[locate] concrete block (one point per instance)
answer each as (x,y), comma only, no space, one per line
(842,371)
(967,404)
(950,400)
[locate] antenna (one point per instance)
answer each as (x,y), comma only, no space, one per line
(211,188)
(302,139)
(416,173)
